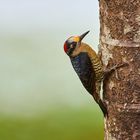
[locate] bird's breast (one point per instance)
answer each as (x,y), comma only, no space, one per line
(83,67)
(82,64)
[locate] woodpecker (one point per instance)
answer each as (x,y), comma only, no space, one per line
(87,65)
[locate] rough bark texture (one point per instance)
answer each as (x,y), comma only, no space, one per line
(120,43)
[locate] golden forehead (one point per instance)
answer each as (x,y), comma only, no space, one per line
(75,38)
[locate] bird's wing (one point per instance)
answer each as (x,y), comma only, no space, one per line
(83,67)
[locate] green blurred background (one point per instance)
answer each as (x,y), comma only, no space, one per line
(41,97)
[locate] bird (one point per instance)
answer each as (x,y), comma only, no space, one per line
(88,66)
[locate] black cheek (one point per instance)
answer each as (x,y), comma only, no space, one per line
(74,44)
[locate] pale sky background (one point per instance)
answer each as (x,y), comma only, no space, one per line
(36,74)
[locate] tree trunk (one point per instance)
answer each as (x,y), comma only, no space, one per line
(120,43)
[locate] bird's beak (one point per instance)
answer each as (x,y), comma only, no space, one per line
(83,35)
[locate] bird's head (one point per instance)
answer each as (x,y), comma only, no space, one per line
(73,43)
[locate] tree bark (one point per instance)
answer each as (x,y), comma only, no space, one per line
(120,43)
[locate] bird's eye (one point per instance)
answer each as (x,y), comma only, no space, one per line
(73,45)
